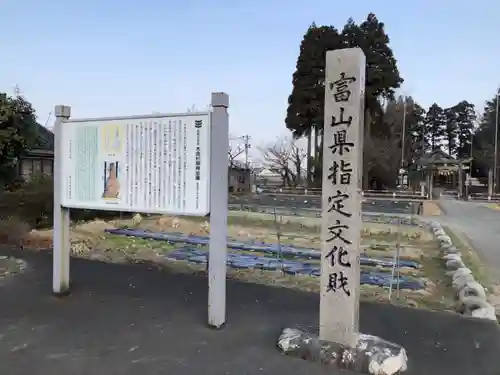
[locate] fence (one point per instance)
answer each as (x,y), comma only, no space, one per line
(483,197)
(396,194)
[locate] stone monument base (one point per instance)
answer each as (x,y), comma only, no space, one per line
(372,355)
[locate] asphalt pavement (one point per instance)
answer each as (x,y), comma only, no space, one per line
(481,226)
(135,319)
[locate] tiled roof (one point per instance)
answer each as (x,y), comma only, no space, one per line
(45,139)
(237,164)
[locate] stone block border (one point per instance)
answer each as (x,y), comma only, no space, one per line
(471,295)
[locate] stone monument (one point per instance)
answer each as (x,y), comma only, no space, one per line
(339,342)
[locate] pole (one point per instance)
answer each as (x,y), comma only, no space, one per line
(246,138)
(401,174)
(61,234)
(247,168)
(495,156)
(470,156)
(403,138)
(471,140)
(217,262)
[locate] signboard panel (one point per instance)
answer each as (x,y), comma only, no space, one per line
(157,164)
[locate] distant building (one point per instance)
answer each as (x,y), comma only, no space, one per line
(266,177)
(439,170)
(40,159)
(240,177)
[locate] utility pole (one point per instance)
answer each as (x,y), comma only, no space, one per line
(246,138)
(403,134)
(17,95)
(495,153)
(471,141)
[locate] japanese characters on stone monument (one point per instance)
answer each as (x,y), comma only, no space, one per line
(341,195)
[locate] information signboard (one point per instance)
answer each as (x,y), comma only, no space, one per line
(156,164)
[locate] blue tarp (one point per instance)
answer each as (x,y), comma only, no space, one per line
(273,261)
(290,267)
(256,246)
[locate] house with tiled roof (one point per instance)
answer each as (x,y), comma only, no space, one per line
(40,159)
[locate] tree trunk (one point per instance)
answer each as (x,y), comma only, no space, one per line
(317,158)
(316,139)
(368,135)
(308,161)
(298,168)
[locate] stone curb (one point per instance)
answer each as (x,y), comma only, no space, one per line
(470,294)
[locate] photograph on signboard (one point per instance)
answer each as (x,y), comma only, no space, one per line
(111,188)
(113,138)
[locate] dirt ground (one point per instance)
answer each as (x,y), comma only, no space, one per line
(431,208)
(378,240)
(494,206)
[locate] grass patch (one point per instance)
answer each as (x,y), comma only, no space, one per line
(291,223)
(493,206)
(438,296)
(470,257)
(379,240)
(132,244)
(308,226)
(443,295)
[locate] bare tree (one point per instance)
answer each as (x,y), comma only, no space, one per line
(285,158)
(298,157)
(234,152)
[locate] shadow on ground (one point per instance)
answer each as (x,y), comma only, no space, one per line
(131,319)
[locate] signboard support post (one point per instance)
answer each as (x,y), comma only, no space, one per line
(219,165)
(61,235)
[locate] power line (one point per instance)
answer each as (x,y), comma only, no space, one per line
(47,121)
